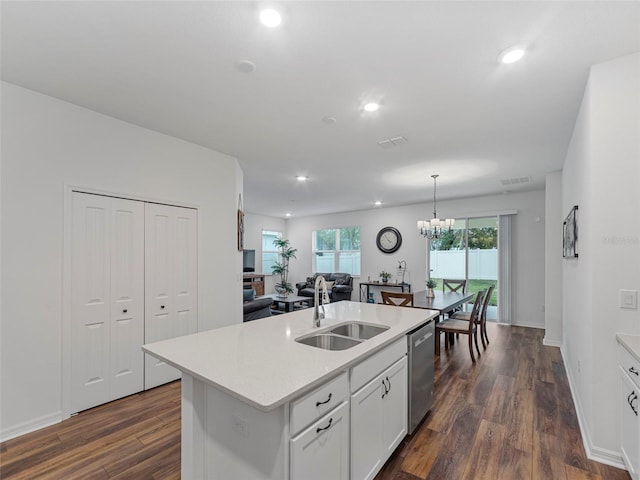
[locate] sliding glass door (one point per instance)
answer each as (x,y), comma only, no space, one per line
(469,251)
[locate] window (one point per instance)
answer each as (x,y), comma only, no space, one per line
(269,251)
(337,250)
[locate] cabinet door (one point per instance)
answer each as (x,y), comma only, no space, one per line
(629,402)
(170,282)
(107,276)
(127,297)
(378,420)
(322,451)
(394,407)
(366,429)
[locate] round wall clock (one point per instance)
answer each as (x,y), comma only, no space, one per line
(388,240)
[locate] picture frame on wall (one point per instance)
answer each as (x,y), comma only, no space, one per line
(240,225)
(570,234)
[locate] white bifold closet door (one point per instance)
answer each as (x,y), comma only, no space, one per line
(171,281)
(107,305)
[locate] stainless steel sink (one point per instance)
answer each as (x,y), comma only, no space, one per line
(362,331)
(342,336)
(329,341)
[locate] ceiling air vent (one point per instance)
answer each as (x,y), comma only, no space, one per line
(392,142)
(515,180)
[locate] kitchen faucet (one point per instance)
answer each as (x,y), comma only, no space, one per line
(317,314)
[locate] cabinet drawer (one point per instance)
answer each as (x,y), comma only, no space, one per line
(308,408)
(372,366)
(321,451)
(629,364)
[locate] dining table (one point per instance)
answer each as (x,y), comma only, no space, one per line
(444,302)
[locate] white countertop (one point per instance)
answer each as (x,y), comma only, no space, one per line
(260,362)
(631,343)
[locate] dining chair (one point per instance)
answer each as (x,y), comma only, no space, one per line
(397,299)
(462,327)
(454,285)
(481,320)
(450,285)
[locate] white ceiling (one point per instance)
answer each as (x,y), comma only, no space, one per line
(172,67)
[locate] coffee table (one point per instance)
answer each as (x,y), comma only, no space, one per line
(289,303)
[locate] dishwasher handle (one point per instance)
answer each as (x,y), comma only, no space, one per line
(422,339)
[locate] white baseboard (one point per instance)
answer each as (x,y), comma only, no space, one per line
(31,426)
(602,455)
(551,343)
(528,325)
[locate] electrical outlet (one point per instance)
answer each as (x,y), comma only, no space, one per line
(629,299)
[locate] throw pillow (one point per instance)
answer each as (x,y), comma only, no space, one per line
(248,294)
(329,285)
(310,281)
(341,281)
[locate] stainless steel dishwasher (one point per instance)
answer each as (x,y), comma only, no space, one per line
(421,371)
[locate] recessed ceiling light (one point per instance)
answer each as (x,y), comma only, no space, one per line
(302,178)
(511,55)
(377,203)
(371,107)
(270,17)
(288,214)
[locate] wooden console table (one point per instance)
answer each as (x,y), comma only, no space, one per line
(255,281)
(364,288)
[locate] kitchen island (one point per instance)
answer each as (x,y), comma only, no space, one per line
(258,404)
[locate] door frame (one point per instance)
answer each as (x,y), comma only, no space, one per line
(66,343)
(466,219)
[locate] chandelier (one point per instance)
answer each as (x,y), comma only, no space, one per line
(435,227)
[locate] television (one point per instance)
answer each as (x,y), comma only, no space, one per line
(248,260)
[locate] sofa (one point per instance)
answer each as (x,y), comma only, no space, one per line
(254,308)
(339,286)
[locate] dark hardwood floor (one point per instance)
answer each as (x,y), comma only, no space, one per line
(510,416)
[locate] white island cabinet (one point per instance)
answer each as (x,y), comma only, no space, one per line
(257,404)
(321,450)
(628,401)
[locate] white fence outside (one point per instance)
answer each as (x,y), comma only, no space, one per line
(483,264)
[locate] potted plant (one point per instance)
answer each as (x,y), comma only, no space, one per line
(431,284)
(285,254)
(385,276)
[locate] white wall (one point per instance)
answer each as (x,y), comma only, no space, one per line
(553,260)
(528,243)
(600,175)
(254,225)
(47,145)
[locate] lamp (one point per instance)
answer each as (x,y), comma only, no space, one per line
(435,227)
(402,268)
